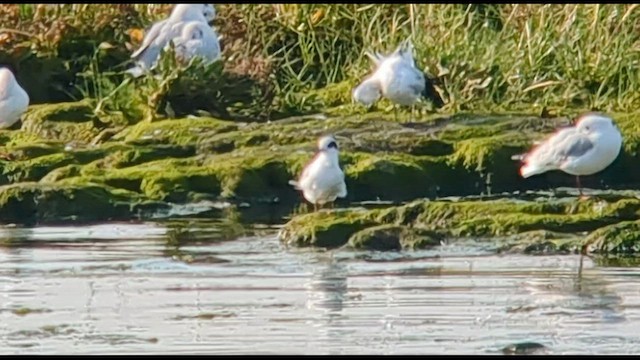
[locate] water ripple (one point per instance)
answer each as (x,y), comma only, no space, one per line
(131,288)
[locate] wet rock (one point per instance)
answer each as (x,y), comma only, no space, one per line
(324,228)
(193,158)
(524,348)
(621,238)
(536,227)
(542,242)
(29,203)
(393,237)
(70,121)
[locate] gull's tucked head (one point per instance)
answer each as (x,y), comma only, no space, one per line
(327,143)
(6,77)
(209,12)
(187,12)
(368,92)
(595,122)
(193,30)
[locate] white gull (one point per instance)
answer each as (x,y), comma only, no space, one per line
(197,39)
(584,149)
(396,78)
(14,101)
(165,30)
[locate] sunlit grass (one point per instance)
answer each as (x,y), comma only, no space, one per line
(485,57)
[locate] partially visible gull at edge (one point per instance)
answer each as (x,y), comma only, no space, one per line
(14,100)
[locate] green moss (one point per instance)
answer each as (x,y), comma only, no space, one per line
(167,179)
(36,168)
(179,160)
(323,228)
(33,150)
(75,112)
(621,238)
(486,220)
(176,187)
(491,154)
(335,94)
(404,142)
(258,174)
(63,122)
(506,217)
(393,237)
(187,131)
(387,177)
(12,138)
(62,172)
(28,203)
(541,242)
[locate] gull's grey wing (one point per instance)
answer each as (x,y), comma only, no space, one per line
(577,147)
(149,37)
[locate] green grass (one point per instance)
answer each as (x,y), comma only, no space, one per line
(485,57)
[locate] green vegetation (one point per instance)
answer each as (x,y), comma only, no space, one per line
(97,145)
(277,56)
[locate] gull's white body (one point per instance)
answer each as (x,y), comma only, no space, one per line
(322,180)
(14,101)
(166,30)
(395,77)
(197,39)
(584,149)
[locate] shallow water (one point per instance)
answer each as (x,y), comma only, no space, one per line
(134,288)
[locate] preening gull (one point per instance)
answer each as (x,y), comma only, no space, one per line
(584,149)
(396,78)
(197,39)
(322,180)
(165,30)
(14,101)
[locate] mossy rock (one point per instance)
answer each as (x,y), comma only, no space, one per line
(30,203)
(75,112)
(37,167)
(185,131)
(542,242)
(394,237)
(528,223)
(324,229)
(620,238)
(63,122)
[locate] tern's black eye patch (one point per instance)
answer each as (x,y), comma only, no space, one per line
(332,145)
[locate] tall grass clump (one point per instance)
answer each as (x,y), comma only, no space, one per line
(487,57)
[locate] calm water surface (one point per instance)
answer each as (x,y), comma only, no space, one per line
(140,288)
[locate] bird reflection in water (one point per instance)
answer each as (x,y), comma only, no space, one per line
(582,297)
(326,294)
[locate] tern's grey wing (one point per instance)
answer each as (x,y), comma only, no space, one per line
(151,35)
(576,147)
